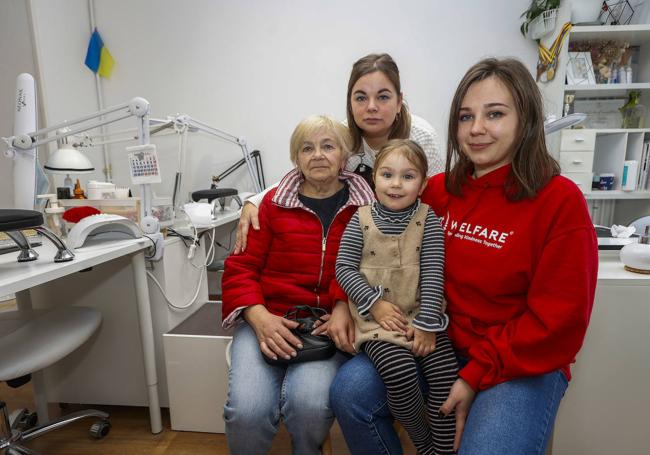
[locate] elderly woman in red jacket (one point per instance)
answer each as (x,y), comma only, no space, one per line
(288,262)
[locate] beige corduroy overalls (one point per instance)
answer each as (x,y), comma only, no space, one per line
(392,261)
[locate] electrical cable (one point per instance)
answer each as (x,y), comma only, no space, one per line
(169,302)
(209,258)
(155,248)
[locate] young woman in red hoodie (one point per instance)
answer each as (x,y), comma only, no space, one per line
(520,276)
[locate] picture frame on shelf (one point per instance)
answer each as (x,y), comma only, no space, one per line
(580,69)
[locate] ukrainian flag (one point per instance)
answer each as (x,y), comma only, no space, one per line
(98,59)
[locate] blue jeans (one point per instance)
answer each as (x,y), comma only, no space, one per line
(260,395)
(515,417)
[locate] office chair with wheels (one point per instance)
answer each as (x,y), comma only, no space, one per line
(29,342)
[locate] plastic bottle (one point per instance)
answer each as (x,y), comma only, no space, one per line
(622,75)
(613,74)
(78,192)
(628,74)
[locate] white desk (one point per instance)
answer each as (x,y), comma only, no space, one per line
(20,278)
(605,407)
(223,217)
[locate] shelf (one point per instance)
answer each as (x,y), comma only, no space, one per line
(604,131)
(600,90)
(617,194)
(636,35)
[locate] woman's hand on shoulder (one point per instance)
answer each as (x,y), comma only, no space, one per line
(248,217)
(273,332)
(339,326)
(460,399)
(424,343)
(388,316)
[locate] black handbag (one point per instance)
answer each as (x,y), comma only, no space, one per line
(314,347)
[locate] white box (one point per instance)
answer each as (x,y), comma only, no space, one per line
(197,372)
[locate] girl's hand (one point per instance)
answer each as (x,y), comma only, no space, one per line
(339,327)
(460,399)
(247,218)
(389,316)
(273,332)
(424,343)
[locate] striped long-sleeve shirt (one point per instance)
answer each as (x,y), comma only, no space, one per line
(432,258)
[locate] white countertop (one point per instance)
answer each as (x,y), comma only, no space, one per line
(16,276)
(612,271)
(222,217)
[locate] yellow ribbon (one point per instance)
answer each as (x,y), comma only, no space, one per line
(548,57)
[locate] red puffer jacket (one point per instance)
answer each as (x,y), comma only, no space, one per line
(288,261)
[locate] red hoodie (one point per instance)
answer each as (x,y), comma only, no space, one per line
(520,276)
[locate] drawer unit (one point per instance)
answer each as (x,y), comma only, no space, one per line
(576,161)
(582,179)
(578,140)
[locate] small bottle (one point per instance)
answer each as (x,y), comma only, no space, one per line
(613,74)
(628,74)
(622,75)
(78,192)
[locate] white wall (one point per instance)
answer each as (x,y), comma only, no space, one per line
(15,57)
(255,68)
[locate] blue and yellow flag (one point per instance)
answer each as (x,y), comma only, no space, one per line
(98,59)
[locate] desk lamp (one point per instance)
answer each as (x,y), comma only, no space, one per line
(182,124)
(564,122)
(68,160)
(24,142)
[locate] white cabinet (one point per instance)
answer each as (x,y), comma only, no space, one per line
(605,408)
(585,152)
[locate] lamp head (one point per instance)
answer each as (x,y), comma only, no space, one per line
(563,122)
(68,160)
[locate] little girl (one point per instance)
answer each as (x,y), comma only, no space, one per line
(391,263)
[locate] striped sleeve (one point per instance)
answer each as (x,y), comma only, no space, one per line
(347,269)
(431,318)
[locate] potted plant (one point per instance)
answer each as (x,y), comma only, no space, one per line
(537,13)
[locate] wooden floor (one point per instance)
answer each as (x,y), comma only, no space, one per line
(130,434)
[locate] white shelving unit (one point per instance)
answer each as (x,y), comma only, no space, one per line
(585,152)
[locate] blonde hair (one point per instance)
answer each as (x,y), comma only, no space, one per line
(409,150)
(315,124)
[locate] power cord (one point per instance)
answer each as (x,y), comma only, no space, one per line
(209,258)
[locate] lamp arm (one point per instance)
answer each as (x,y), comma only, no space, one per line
(138,107)
(249,163)
(193,124)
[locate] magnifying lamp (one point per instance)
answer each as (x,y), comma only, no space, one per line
(68,160)
(564,122)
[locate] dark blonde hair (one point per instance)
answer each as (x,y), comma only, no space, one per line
(532,166)
(408,149)
(315,124)
(369,64)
